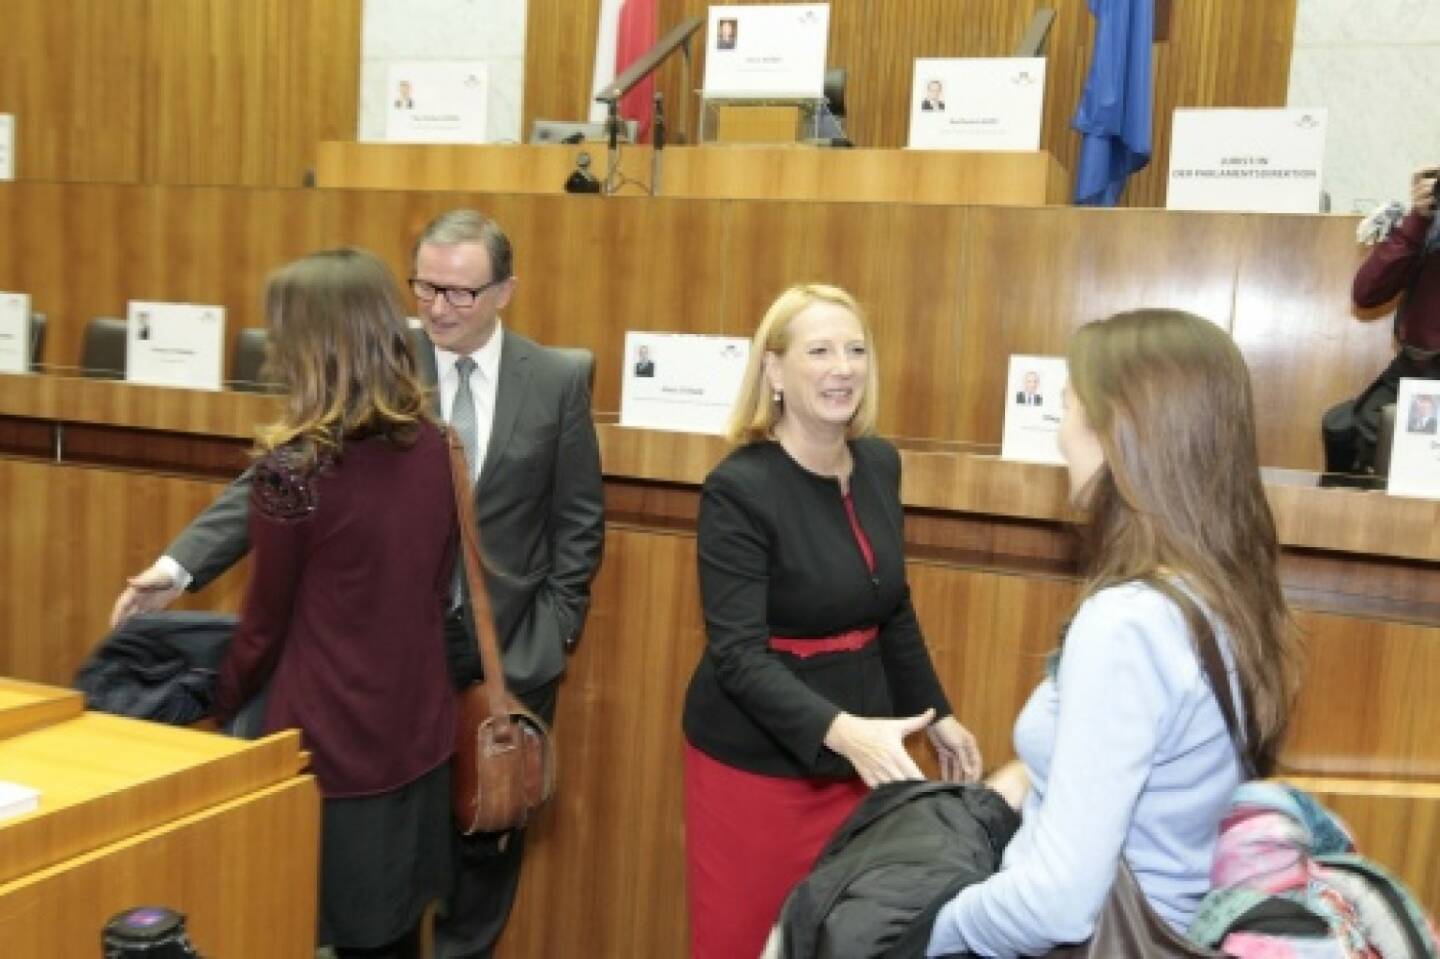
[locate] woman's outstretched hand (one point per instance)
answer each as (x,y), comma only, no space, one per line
(876,747)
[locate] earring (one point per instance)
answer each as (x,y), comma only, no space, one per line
(777,396)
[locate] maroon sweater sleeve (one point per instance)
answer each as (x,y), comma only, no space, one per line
(280,522)
(1391,265)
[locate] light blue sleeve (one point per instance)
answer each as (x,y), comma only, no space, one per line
(1118,684)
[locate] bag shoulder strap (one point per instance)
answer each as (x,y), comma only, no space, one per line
(480,609)
(1213,664)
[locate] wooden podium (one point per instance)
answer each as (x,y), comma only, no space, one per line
(132,813)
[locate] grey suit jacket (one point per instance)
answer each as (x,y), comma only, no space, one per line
(539,504)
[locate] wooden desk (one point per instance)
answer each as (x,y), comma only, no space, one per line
(134,813)
(709,172)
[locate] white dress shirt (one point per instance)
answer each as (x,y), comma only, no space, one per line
(483,382)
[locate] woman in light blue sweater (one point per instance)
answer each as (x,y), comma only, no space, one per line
(1123,748)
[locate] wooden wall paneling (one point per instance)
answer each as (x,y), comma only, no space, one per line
(72,75)
(901,263)
(615,833)
(92,248)
(242,92)
(1225,53)
(989,635)
(559,60)
(65,555)
(1031,276)
(181,91)
(1367,707)
(1306,345)
(647,265)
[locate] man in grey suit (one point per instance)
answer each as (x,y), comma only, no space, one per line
(523,414)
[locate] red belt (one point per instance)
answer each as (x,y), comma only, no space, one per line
(846,642)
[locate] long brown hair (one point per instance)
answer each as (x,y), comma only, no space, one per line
(1179,496)
(756,410)
(340,350)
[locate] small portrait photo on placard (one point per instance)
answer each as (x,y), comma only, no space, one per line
(1415,450)
(1033,406)
(934,101)
(1421,418)
(727,31)
(680,381)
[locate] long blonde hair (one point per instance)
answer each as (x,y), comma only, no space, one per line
(756,410)
(1168,395)
(340,350)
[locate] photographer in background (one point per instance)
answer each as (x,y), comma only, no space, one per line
(1406,260)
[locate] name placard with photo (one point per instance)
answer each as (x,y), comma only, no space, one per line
(979,103)
(437,101)
(174,344)
(15,333)
(1255,161)
(681,382)
(1034,402)
(767,51)
(7,146)
(1415,452)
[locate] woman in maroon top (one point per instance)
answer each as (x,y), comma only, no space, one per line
(352,527)
(814,669)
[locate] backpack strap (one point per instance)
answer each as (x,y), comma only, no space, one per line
(1219,677)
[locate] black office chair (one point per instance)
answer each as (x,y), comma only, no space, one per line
(1384,441)
(102,354)
(247,372)
(37,340)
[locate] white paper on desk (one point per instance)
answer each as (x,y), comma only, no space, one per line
(1415,452)
(15,333)
(437,101)
(7,146)
(681,382)
(977,103)
(175,344)
(1034,401)
(17,800)
(767,51)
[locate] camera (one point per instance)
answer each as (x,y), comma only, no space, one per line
(147,932)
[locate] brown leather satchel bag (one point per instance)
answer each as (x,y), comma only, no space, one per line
(504,762)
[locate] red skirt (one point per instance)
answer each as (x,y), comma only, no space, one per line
(748,839)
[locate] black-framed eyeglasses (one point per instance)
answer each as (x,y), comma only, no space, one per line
(459,297)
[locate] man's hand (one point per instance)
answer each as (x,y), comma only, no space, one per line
(876,747)
(958,751)
(147,592)
(1422,190)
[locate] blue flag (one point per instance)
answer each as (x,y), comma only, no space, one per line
(1114,114)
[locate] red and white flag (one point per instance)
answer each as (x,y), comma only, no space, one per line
(627,30)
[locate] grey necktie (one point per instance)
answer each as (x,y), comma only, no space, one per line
(462,421)
(462,412)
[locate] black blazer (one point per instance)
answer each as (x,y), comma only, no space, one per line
(778,557)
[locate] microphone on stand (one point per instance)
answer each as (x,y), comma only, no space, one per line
(612,129)
(657,137)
